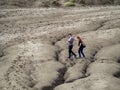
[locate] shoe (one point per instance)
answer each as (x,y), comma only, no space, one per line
(68,57)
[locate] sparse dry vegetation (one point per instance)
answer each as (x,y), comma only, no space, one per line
(51,3)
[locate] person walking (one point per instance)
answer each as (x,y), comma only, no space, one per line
(70,46)
(81,47)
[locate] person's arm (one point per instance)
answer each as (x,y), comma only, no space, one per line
(79,43)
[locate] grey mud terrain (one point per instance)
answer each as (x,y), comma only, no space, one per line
(33,48)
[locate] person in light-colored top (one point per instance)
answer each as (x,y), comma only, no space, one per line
(70,46)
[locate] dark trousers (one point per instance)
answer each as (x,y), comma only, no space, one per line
(70,51)
(80,50)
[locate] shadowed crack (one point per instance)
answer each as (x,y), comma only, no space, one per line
(60,80)
(1,51)
(118,61)
(117,75)
(1,54)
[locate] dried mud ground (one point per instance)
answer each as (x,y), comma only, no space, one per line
(33,49)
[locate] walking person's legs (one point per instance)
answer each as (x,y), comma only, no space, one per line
(73,52)
(69,51)
(81,51)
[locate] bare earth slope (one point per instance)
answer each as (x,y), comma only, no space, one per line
(33,49)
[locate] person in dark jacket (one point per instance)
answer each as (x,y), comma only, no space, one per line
(81,47)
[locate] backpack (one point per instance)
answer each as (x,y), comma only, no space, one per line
(84,45)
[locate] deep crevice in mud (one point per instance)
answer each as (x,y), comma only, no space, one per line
(87,66)
(118,61)
(1,54)
(1,51)
(57,55)
(117,74)
(85,71)
(60,80)
(47,88)
(62,72)
(92,58)
(57,52)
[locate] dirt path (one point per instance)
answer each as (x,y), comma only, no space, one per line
(33,49)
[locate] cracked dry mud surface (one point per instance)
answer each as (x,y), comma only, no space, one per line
(33,49)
